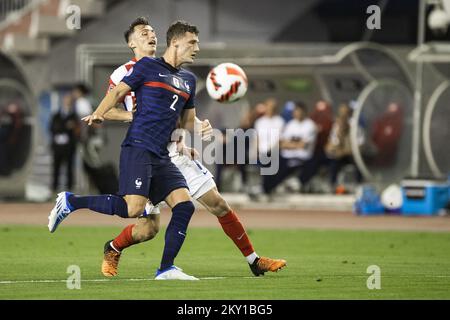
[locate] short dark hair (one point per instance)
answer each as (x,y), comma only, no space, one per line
(301,105)
(83,88)
(137,22)
(178,29)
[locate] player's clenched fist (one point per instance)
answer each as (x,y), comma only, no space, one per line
(93,118)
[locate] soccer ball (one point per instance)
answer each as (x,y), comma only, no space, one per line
(226,83)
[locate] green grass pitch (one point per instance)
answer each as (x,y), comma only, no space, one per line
(322,264)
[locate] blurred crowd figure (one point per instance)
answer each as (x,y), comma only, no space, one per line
(268,127)
(67,131)
(386,134)
(69,134)
(80,94)
(65,134)
(296,143)
(247,122)
(11,125)
(338,148)
(308,140)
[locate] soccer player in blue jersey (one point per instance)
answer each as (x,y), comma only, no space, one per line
(140,37)
(164,92)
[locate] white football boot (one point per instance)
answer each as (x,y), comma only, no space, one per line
(173,273)
(60,211)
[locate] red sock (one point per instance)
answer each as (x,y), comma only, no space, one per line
(124,239)
(235,230)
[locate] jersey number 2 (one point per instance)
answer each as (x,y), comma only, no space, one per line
(175,99)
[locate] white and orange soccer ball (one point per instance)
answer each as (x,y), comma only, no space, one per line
(226,83)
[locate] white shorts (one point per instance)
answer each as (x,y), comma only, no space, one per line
(198,178)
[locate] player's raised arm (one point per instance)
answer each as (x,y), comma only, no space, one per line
(109,101)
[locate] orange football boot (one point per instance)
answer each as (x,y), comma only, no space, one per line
(110,262)
(263,264)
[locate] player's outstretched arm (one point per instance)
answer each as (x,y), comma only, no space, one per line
(119,114)
(109,101)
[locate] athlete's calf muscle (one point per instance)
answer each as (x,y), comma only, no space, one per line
(146,228)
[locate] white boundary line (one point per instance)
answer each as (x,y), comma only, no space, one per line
(205,278)
(106,280)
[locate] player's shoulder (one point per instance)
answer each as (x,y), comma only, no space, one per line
(126,66)
(123,70)
(188,74)
(148,61)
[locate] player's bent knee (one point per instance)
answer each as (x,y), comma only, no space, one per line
(186,206)
(135,209)
(190,205)
(135,205)
(177,196)
(219,207)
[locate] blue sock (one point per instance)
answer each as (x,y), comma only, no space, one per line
(176,232)
(106,204)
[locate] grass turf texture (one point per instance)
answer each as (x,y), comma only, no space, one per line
(322,264)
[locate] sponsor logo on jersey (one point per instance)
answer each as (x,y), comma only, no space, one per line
(176,82)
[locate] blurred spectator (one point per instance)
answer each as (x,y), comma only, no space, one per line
(322,115)
(11,124)
(386,134)
(268,127)
(286,114)
(83,106)
(338,148)
(247,122)
(296,147)
(249,118)
(65,130)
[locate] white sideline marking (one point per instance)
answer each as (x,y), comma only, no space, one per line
(104,280)
(205,278)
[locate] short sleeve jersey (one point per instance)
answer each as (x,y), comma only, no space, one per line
(129,101)
(162,92)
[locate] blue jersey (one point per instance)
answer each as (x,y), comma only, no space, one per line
(162,92)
